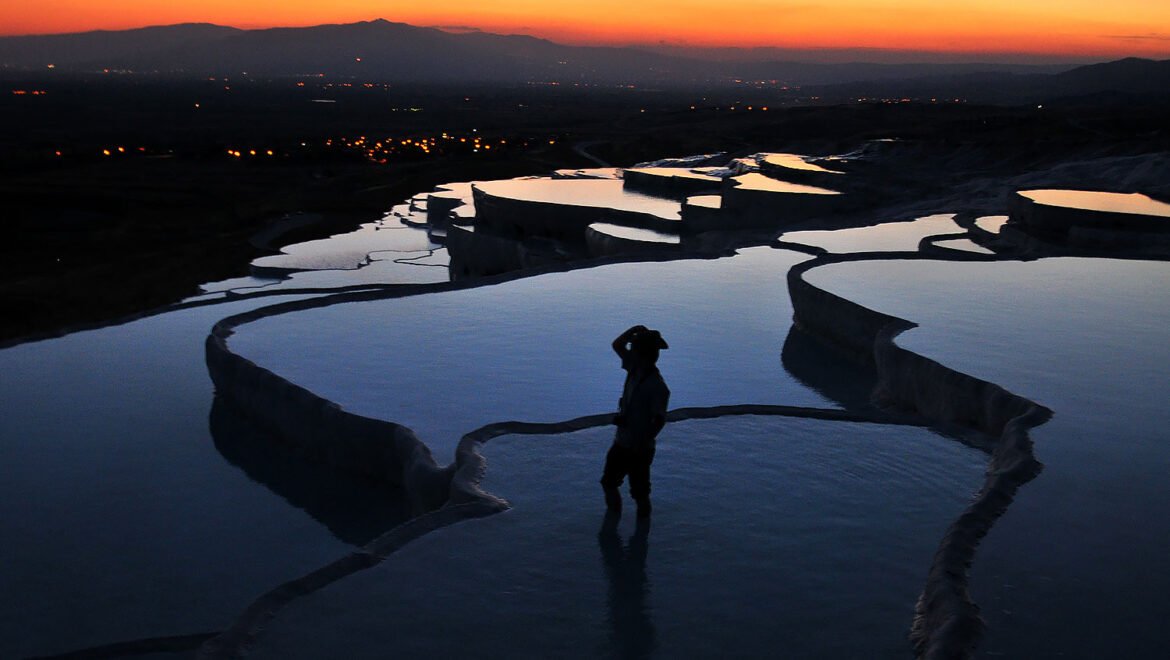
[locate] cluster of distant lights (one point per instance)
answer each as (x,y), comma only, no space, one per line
(904,99)
(381,150)
(374,150)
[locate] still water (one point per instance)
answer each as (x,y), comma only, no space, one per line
(129,510)
(771,537)
(594,193)
(538,349)
(1089,338)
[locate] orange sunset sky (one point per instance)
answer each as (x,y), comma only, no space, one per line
(1042,27)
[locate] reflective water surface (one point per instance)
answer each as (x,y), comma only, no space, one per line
(599,193)
(126,509)
(757,181)
(796,162)
(886,237)
(538,349)
(1090,339)
(770,536)
(1100,201)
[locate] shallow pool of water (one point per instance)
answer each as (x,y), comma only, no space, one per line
(129,510)
(771,537)
(595,193)
(886,237)
(1108,202)
(757,181)
(796,162)
(349,250)
(1090,339)
(963,245)
(538,349)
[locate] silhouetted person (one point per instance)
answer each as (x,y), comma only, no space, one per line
(632,631)
(641,415)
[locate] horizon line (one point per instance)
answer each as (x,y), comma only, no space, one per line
(970,56)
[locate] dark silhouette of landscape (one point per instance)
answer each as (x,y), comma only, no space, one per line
(401,53)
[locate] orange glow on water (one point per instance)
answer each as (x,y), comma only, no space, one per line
(1069,27)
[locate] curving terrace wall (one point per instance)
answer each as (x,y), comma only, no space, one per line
(1059,221)
(320,428)
(601,244)
(519,218)
(947,622)
(651,180)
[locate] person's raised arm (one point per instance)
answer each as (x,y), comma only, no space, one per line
(621,344)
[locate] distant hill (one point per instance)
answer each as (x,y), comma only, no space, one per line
(379,49)
(1127,79)
(396,52)
(100,49)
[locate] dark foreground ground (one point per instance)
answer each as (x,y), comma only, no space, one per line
(123,194)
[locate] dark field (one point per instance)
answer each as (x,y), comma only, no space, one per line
(195,169)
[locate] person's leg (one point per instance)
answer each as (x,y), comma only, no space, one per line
(617,465)
(640,479)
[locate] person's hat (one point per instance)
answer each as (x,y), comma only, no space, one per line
(649,339)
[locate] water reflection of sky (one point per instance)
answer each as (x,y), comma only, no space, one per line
(1100,201)
(120,517)
(886,237)
(538,349)
(757,181)
(802,538)
(796,162)
(1089,338)
(597,193)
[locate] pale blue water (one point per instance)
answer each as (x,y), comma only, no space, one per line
(538,349)
(120,516)
(352,249)
(131,506)
(770,537)
(1085,542)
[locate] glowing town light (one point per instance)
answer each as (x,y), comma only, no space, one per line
(251,152)
(105,152)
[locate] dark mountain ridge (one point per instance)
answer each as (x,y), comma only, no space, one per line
(385,51)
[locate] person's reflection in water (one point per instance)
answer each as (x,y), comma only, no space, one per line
(631,629)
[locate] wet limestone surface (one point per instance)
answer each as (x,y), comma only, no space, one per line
(129,510)
(538,349)
(1089,338)
(349,250)
(770,537)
